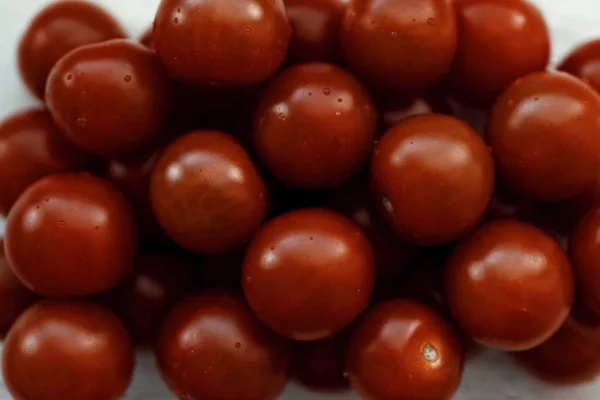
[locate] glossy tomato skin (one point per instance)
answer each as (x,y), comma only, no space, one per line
(32,147)
(545,135)
(315,30)
(570,356)
(582,62)
(481,72)
(428,194)
(56,30)
(61,348)
(14,296)
(402,350)
(399,47)
(309,273)
(160,279)
(315,126)
(109,97)
(584,246)
(84,232)
(227,42)
(509,285)
(207,194)
(213,348)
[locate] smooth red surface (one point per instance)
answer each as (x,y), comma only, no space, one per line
(315,30)
(321,365)
(545,134)
(402,350)
(584,62)
(433,178)
(521,45)
(56,30)
(393,111)
(315,126)
(160,279)
(584,246)
(62,349)
(509,285)
(109,97)
(393,256)
(309,273)
(14,296)
(571,356)
(206,192)
(71,235)
(231,42)
(399,46)
(213,348)
(32,147)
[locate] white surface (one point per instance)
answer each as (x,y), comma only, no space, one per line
(491,376)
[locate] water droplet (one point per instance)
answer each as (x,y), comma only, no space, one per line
(272,247)
(127,78)
(175,21)
(61,223)
(248,30)
(340,100)
(82,122)
(387,204)
(394,34)
(238,345)
(338,113)
(430,21)
(326,91)
(430,353)
(311,238)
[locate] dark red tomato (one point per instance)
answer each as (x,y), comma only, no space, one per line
(207,193)
(78,350)
(32,147)
(315,30)
(545,134)
(109,97)
(230,42)
(159,280)
(521,45)
(14,296)
(213,348)
(71,235)
(402,350)
(399,46)
(584,247)
(394,111)
(509,285)
(570,356)
(353,200)
(584,63)
(56,30)
(321,365)
(309,273)
(433,177)
(315,126)
(131,175)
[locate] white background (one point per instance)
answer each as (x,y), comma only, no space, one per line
(491,376)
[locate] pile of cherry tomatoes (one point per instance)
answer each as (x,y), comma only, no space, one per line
(267,189)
